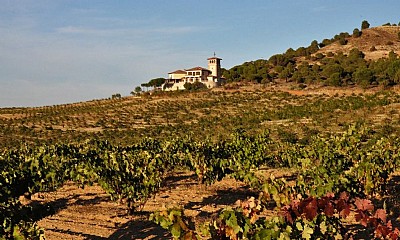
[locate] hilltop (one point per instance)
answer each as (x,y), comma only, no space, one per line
(374,42)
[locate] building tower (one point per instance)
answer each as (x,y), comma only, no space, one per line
(214,65)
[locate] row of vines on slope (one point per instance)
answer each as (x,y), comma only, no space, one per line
(128,120)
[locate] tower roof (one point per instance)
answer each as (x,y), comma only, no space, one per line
(214,58)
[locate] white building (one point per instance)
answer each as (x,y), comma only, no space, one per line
(210,77)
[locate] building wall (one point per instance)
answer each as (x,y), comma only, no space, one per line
(176,86)
(199,75)
(180,85)
(214,65)
(176,75)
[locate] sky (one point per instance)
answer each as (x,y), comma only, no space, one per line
(64,51)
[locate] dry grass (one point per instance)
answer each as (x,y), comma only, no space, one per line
(379,37)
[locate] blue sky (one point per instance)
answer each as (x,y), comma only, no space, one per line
(63,51)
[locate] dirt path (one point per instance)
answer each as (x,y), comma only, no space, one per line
(90,214)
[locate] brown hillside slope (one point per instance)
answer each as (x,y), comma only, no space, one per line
(383,38)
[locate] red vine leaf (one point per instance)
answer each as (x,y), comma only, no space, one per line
(286,214)
(330,195)
(362,218)
(310,208)
(373,221)
(343,208)
(295,205)
(381,214)
(395,234)
(382,231)
(322,202)
(329,209)
(389,224)
(364,204)
(344,196)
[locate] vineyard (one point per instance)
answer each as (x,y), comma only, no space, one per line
(338,153)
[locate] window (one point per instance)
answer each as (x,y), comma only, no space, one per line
(197,73)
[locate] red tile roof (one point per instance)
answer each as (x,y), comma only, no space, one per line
(178,72)
(198,69)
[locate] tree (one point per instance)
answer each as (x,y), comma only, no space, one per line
(279,60)
(116,96)
(301,52)
(287,72)
(290,53)
(364,25)
(342,41)
(341,35)
(136,91)
(156,82)
(330,69)
(314,47)
(335,80)
(356,33)
(146,85)
(325,42)
(393,71)
(194,86)
(355,54)
(364,76)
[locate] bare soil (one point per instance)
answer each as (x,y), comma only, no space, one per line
(89,213)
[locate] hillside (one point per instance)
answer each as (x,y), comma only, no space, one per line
(208,114)
(383,38)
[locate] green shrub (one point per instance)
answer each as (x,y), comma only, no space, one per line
(356,33)
(194,86)
(364,25)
